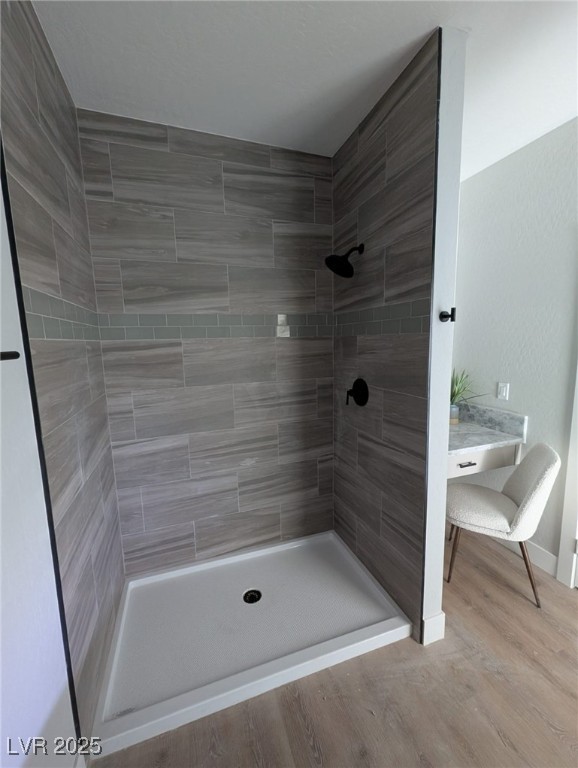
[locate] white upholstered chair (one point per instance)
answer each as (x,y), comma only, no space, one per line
(513,513)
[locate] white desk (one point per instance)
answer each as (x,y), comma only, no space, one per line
(481,441)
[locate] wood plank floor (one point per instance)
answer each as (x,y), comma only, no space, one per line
(499,692)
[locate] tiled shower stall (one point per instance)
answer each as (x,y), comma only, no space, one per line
(191,351)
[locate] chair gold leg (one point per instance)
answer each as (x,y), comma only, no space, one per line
(528,563)
(454,552)
(452,529)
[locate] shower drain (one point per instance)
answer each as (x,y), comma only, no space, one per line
(252,596)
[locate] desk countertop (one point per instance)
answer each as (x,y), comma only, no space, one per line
(468,437)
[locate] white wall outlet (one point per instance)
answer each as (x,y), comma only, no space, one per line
(503,391)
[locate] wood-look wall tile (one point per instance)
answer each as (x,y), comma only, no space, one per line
(399,476)
(301,246)
(345,233)
(33,161)
(324,398)
(156,550)
(121,416)
(95,369)
(277,484)
(94,663)
(130,510)
(121,130)
(142,365)
(420,65)
(306,517)
(302,440)
(63,467)
(78,215)
(93,435)
(346,365)
(323,201)
(270,290)
(81,610)
(185,501)
(79,529)
(259,192)
(233,449)
(360,178)
(220,534)
(399,363)
(216,238)
(96,169)
(323,291)
(55,106)
(108,485)
(74,270)
(143,462)
(34,241)
(366,288)
(405,206)
(61,379)
(163,178)
(18,81)
(404,422)
(180,411)
(108,285)
(353,491)
(218,147)
(108,569)
(228,361)
(345,447)
(150,286)
(395,566)
(411,128)
(367,418)
(304,358)
(277,401)
(345,524)
(346,152)
(409,525)
(408,267)
(123,231)
(301,162)
(325,471)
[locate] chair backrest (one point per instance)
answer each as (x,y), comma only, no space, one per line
(529,487)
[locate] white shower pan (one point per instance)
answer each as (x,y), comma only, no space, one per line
(187,644)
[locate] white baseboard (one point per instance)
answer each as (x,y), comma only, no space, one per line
(540,557)
(433,629)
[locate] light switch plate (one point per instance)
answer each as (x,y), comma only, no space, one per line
(503,391)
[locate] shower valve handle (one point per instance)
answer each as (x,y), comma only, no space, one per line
(359,392)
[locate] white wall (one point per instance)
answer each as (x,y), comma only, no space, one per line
(35,699)
(516,294)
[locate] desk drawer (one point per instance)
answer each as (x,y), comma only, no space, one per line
(480,461)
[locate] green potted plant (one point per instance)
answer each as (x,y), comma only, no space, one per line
(461,385)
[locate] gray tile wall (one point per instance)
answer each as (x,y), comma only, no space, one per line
(215,315)
(46,193)
(383,196)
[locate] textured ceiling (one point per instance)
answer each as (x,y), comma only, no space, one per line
(303,74)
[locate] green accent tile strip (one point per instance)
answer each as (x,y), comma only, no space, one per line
(112,334)
(219,332)
(179,320)
(136,333)
(152,320)
(35,326)
(193,333)
(122,320)
(167,333)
